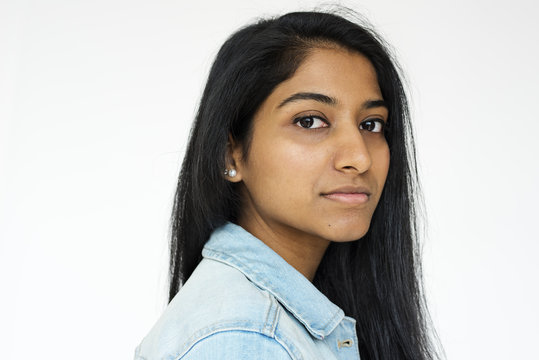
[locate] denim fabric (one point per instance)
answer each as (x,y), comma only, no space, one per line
(244,301)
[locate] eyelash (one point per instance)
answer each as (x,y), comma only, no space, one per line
(297,120)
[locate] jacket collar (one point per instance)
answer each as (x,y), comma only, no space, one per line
(236,247)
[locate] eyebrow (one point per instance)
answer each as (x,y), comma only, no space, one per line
(309,96)
(369,104)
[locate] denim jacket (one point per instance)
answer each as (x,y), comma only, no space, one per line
(244,301)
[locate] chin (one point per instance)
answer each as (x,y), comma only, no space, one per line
(343,226)
(344,233)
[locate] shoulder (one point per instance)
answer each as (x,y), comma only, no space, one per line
(217,309)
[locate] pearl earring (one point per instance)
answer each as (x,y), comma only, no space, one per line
(231,172)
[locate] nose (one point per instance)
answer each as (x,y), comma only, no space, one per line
(352,154)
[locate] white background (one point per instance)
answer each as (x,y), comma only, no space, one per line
(96,99)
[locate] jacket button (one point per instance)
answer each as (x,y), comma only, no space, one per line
(345,343)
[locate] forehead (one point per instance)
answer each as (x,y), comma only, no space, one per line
(347,76)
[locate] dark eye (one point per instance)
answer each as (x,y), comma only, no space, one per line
(311,122)
(373,125)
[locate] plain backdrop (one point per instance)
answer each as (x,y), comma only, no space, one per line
(96,101)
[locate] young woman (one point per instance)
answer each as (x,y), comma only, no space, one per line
(294,223)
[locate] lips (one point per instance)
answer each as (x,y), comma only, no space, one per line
(349,190)
(349,194)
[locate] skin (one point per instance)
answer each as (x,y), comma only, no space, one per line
(293,165)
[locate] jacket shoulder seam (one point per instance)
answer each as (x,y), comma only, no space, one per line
(238,330)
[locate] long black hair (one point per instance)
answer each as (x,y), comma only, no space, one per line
(377,279)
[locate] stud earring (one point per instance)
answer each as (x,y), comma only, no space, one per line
(231,172)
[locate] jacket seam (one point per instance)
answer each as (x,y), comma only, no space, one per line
(271,321)
(179,357)
(293,354)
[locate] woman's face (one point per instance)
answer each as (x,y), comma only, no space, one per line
(317,147)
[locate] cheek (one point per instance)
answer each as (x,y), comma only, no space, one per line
(384,158)
(280,170)
(380,165)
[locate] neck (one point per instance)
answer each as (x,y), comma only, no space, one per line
(301,250)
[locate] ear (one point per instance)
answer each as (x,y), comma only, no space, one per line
(233,160)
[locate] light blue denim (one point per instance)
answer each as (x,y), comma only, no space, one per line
(244,301)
